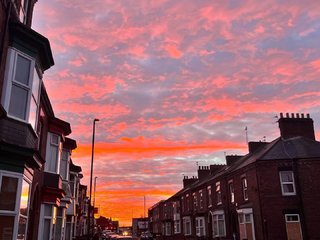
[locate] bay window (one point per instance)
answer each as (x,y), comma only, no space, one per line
(53,153)
(21,92)
(14,205)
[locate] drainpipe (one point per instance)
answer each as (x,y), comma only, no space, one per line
(4,36)
(264,223)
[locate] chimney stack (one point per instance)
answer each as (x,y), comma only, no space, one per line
(254,146)
(230,159)
(296,126)
(188,181)
(203,171)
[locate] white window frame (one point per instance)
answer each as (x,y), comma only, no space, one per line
(51,144)
(9,81)
(244,184)
(209,196)
(231,191)
(177,226)
(200,228)
(167,228)
(51,218)
(290,215)
(23,12)
(201,202)
(67,161)
(215,216)
(282,183)
(186,231)
(195,201)
(16,212)
(289,221)
(218,193)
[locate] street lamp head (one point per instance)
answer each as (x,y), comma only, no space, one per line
(96,120)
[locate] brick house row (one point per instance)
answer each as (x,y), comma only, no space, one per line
(270,193)
(40,192)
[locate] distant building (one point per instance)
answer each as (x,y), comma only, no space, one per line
(269,193)
(139,226)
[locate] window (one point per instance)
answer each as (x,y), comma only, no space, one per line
(200,227)
(195,201)
(186,226)
(231,192)
(293,226)
(49,221)
(182,204)
(23,10)
(53,153)
(218,224)
(21,92)
(245,189)
(201,199)
(287,183)
(246,226)
(188,202)
(209,196)
(218,193)
(177,228)
(24,203)
(168,229)
(14,205)
(64,164)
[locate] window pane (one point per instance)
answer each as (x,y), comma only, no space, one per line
(22,70)
(18,102)
(46,229)
(22,228)
(8,193)
(288,188)
(53,158)
(286,176)
(47,210)
(24,198)
(6,227)
(35,85)
(33,113)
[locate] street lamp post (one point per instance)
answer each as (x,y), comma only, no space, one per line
(92,154)
(94,194)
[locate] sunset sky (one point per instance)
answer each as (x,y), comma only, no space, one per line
(175,83)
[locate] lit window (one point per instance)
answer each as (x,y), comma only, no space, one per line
(245,189)
(287,183)
(200,227)
(218,193)
(22,88)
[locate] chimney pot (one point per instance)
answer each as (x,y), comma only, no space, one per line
(302,115)
(287,115)
(297,115)
(281,115)
(308,115)
(292,115)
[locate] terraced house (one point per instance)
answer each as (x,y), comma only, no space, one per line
(36,190)
(270,193)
